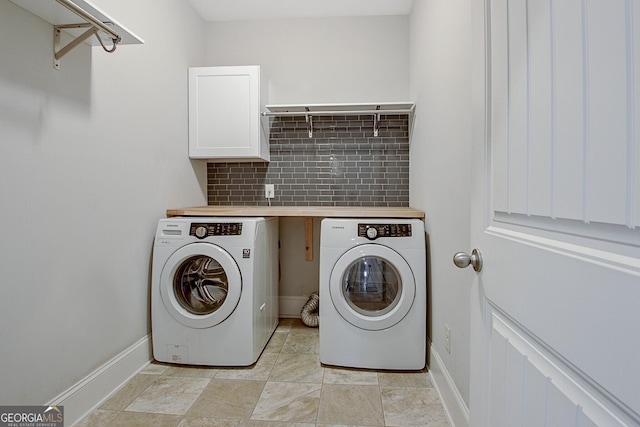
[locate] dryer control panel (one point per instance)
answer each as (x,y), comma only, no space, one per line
(373,231)
(202,230)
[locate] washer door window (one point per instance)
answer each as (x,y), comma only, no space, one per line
(200,285)
(372,287)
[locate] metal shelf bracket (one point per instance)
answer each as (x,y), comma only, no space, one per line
(309,119)
(59,52)
(93,24)
(376,122)
(92,21)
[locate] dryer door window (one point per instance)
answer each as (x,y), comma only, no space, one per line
(372,286)
(200,285)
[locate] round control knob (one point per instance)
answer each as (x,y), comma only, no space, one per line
(372,233)
(201,232)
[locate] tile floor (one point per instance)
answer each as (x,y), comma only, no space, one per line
(287,387)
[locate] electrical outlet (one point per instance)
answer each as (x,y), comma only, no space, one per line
(269,191)
(447,338)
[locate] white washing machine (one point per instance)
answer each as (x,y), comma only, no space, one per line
(373,297)
(214,290)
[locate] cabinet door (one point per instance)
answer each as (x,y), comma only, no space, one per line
(224,114)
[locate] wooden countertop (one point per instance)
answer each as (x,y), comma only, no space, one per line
(300,211)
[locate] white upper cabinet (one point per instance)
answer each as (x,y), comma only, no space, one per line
(224,114)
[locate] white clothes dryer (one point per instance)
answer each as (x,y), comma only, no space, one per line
(214,289)
(373,296)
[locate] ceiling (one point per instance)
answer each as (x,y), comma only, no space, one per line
(234,10)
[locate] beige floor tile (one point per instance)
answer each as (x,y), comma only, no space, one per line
(296,324)
(190,371)
(404,379)
(302,342)
(169,395)
(284,325)
(211,422)
(297,368)
(292,402)
(228,399)
(287,387)
(349,376)
(278,424)
(154,368)
(340,425)
(139,419)
(257,372)
(350,405)
(276,342)
(412,406)
(130,391)
(98,418)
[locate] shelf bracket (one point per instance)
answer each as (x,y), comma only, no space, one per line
(93,24)
(59,52)
(376,122)
(309,119)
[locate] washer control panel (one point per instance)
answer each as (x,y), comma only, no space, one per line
(373,231)
(202,230)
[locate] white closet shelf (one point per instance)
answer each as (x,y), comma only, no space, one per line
(81,19)
(375,109)
(340,108)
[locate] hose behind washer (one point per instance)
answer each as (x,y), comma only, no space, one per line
(309,314)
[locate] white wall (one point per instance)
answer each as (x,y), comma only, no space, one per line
(440,59)
(356,59)
(90,158)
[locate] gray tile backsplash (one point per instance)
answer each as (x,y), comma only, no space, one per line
(343,164)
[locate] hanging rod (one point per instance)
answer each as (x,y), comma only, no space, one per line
(90,18)
(93,24)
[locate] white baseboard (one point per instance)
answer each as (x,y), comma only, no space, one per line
(90,392)
(453,403)
(291,306)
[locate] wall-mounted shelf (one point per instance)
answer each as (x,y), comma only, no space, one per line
(81,19)
(375,109)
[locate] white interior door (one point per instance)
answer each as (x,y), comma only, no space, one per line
(555,333)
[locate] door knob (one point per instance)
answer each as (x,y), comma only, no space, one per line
(463,259)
